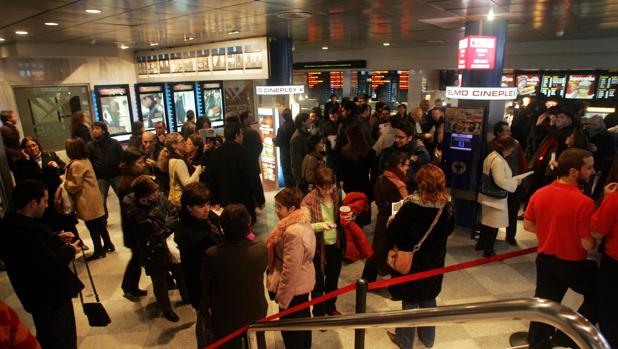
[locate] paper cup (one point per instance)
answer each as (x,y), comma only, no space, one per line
(345,213)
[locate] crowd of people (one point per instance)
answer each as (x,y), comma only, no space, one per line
(188,205)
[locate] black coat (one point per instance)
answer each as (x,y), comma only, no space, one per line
(253,143)
(358,175)
(284,135)
(194,238)
(82,131)
(405,231)
(37,263)
(232,178)
(105,156)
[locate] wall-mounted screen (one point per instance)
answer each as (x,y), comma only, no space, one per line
(212,93)
(608,84)
(553,84)
(508,80)
(581,86)
(152,104)
(528,84)
(183,95)
(114,108)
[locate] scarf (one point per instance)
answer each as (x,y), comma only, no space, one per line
(175,155)
(297,216)
(398,180)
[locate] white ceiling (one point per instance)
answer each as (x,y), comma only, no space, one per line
(336,24)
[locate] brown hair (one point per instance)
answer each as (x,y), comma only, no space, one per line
(76,148)
(358,145)
(5,115)
(503,144)
(77,118)
(432,184)
(163,161)
(289,197)
(192,195)
(235,222)
(571,158)
(324,176)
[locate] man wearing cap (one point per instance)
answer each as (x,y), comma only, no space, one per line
(560,214)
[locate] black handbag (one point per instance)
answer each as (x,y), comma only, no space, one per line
(489,186)
(95,312)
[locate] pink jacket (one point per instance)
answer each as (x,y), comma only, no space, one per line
(293,273)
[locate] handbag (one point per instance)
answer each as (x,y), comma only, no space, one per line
(95,312)
(401,261)
(63,202)
(174,195)
(489,186)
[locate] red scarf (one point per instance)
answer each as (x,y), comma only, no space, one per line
(297,216)
(399,180)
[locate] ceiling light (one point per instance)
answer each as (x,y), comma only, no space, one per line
(386,44)
(491,15)
(233,32)
(154,44)
(294,15)
(21,32)
(93,11)
(123,47)
(324,48)
(190,38)
(1,39)
(51,24)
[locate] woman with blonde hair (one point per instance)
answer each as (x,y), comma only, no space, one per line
(422,224)
(181,172)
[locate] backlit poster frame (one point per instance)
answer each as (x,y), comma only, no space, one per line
(574,86)
(182,87)
(111,100)
(213,102)
(152,100)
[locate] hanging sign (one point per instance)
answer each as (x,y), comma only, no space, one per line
(481,93)
(279,90)
(477,53)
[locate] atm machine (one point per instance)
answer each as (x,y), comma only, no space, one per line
(183,99)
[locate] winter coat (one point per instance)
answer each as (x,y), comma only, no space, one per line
(82,131)
(297,153)
(405,231)
(81,182)
(37,263)
(252,141)
(357,244)
(358,175)
(311,163)
(105,155)
(495,211)
(413,148)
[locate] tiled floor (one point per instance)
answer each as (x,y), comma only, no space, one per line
(140,325)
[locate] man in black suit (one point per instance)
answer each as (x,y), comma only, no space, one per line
(40,273)
(232,177)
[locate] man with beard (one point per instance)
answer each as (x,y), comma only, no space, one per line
(405,142)
(560,215)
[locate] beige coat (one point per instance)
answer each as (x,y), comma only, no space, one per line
(81,182)
(180,178)
(293,273)
(495,212)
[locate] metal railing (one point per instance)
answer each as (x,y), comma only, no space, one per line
(580,330)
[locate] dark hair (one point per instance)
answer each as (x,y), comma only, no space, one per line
(289,197)
(363,108)
(26,191)
(333,95)
(231,130)
(162,124)
(5,115)
(571,158)
(76,148)
(311,142)
(300,120)
(333,110)
(498,127)
(190,115)
(244,116)
(130,157)
(502,144)
(386,107)
(136,128)
(232,118)
(350,106)
(406,128)
(395,159)
(318,111)
(235,222)
(380,105)
(100,124)
(28,139)
(286,114)
(143,186)
(403,105)
(358,144)
(325,176)
(198,142)
(201,121)
(77,119)
(192,195)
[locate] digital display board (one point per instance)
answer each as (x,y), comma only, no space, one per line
(528,84)
(336,79)
(404,78)
(553,84)
(581,86)
(379,78)
(508,80)
(477,53)
(608,84)
(316,79)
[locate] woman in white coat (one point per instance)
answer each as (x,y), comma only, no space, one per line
(494,212)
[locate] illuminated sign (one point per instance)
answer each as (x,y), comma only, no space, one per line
(477,53)
(608,84)
(404,77)
(580,86)
(481,93)
(336,79)
(553,84)
(279,90)
(527,84)
(508,80)
(315,79)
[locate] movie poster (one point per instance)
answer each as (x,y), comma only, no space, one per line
(253,57)
(213,103)
(218,59)
(234,58)
(184,100)
(115,112)
(151,105)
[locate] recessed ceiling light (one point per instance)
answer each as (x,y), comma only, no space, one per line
(386,44)
(1,39)
(233,32)
(93,11)
(123,47)
(51,24)
(325,48)
(491,15)
(21,32)
(154,44)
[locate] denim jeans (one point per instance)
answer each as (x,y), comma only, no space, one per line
(104,185)
(427,335)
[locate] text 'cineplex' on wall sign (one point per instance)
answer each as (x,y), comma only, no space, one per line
(481,93)
(476,52)
(280,90)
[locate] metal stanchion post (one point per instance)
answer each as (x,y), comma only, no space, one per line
(361,307)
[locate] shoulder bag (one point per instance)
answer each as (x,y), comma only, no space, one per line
(401,261)
(95,312)
(174,194)
(63,202)
(489,186)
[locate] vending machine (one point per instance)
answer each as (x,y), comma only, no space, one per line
(153,103)
(183,99)
(113,106)
(212,102)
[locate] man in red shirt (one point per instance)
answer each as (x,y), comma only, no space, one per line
(559,214)
(605,224)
